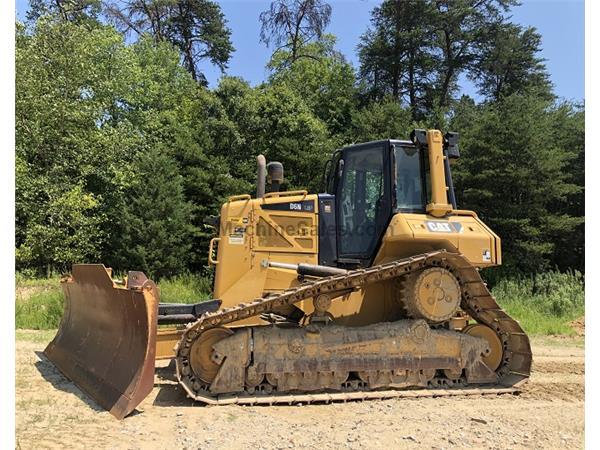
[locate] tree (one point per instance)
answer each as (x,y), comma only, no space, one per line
(416,50)
(460,25)
(87,108)
(568,132)
(237,128)
(508,62)
(396,54)
(292,24)
(157,220)
(385,119)
(514,173)
(275,121)
(326,82)
(55,227)
(286,130)
(78,11)
(71,157)
(189,124)
(196,27)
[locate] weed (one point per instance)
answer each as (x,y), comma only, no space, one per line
(185,289)
(39,302)
(544,303)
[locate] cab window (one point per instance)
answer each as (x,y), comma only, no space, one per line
(361,200)
(410,193)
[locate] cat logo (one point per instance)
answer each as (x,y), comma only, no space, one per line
(441,227)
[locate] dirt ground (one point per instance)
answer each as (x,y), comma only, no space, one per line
(51,412)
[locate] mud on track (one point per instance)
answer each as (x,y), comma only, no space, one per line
(52,413)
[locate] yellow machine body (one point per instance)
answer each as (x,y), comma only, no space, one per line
(250,237)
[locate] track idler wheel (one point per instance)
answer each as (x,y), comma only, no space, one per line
(493,356)
(202,359)
(432,294)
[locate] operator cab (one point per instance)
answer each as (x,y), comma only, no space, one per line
(366,185)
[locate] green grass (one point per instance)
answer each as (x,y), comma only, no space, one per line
(39,301)
(39,311)
(544,304)
(185,289)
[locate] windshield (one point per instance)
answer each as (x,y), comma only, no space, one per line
(409,181)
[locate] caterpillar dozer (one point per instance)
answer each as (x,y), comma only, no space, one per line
(369,290)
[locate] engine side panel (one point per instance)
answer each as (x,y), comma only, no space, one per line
(462,232)
(281,228)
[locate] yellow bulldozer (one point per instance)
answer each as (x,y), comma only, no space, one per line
(368,290)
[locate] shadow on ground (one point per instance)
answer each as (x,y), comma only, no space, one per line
(169,391)
(52,375)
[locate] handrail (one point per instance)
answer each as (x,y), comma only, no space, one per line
(303,192)
(234,198)
(211,247)
(464,212)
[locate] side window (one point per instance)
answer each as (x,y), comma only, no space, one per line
(409,180)
(361,200)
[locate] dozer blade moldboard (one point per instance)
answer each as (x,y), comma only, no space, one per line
(106,342)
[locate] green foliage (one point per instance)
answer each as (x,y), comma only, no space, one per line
(157,220)
(286,130)
(78,11)
(515,176)
(544,303)
(416,51)
(381,120)
(39,301)
(197,28)
(69,82)
(323,79)
(508,63)
(65,231)
(275,120)
(121,154)
(396,56)
(88,109)
(186,288)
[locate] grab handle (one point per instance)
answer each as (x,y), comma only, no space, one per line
(211,249)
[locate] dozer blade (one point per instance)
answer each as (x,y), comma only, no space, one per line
(106,342)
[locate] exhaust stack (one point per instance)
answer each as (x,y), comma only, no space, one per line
(261,175)
(275,175)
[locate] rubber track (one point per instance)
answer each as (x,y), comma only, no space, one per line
(477,301)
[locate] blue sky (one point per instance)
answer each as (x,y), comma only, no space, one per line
(560,22)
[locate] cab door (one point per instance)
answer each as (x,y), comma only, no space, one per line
(363,201)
